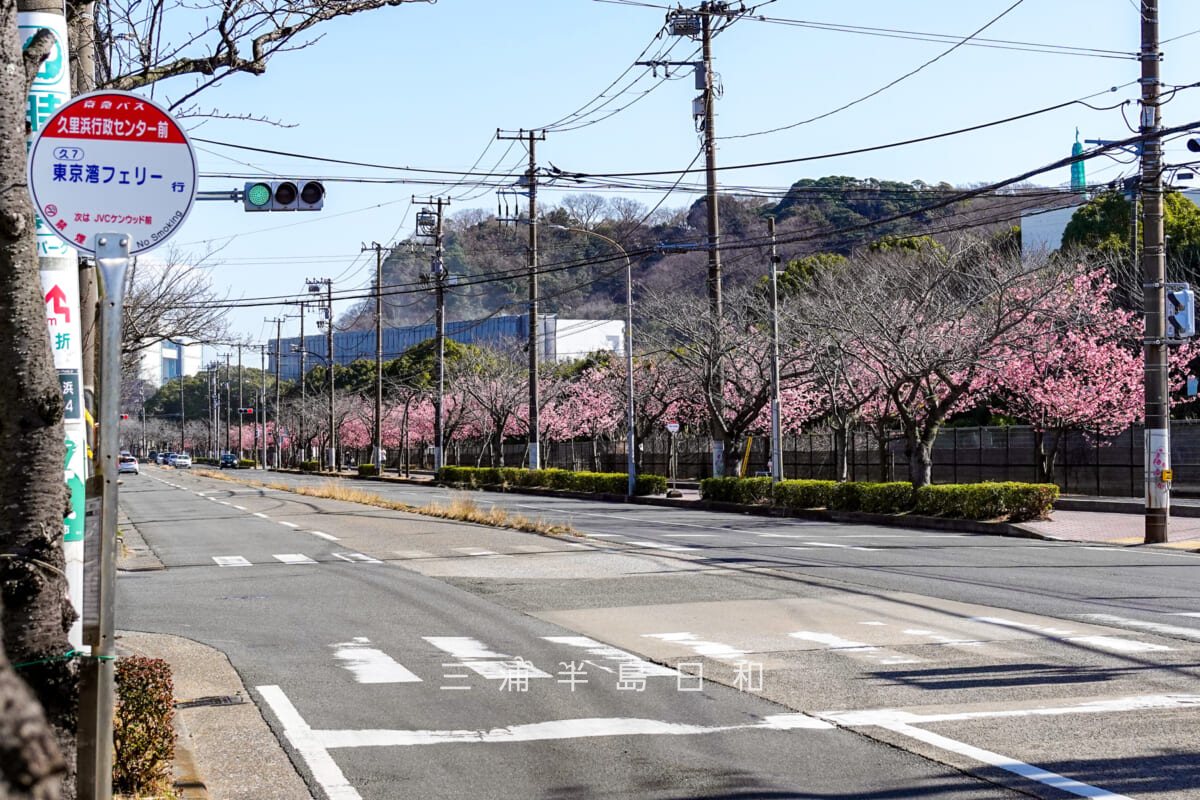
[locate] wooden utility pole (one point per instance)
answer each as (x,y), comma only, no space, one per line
(532,137)
(1158,405)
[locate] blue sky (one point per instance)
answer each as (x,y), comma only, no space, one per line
(427,85)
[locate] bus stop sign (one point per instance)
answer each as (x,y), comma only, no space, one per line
(112,161)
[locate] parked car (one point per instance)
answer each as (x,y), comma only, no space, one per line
(127,464)
(165,458)
(182,461)
(152,457)
(229,460)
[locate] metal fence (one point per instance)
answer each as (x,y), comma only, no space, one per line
(1087,464)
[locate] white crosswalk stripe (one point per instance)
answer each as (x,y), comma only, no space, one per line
(294,558)
(231,561)
(360,558)
(370,664)
(482,660)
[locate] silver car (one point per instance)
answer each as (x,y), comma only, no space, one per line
(127,464)
(182,461)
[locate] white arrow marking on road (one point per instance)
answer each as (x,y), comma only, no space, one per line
(231,561)
(371,665)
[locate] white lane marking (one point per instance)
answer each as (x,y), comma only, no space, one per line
(692,535)
(259,514)
(940,638)
(843,546)
(605,535)
(231,561)
(1109,706)
(293,558)
(225,502)
(289,524)
(557,729)
(357,558)
(784,535)
(604,651)
(674,548)
(1153,627)
(239,508)
(485,662)
(699,646)
(832,642)
(530,548)
(1027,626)
(1034,773)
(1117,645)
(1185,613)
(411,554)
(873,622)
(370,664)
(325,536)
(308,745)
(475,551)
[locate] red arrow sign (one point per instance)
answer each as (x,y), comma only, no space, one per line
(57,296)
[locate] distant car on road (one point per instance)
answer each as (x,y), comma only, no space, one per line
(152,457)
(127,464)
(165,458)
(229,460)
(182,461)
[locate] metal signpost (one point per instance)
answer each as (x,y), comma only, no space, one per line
(673,428)
(113,175)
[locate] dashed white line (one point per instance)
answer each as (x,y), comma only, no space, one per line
(294,558)
(231,561)
(324,535)
(240,508)
(359,558)
(289,524)
(263,516)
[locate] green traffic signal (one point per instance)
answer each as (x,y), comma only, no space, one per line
(258,196)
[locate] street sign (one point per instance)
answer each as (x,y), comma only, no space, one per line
(112,161)
(673,426)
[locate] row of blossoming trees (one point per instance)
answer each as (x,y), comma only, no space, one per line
(898,338)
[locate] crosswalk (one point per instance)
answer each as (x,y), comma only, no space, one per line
(460,662)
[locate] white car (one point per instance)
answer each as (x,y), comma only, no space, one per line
(182,461)
(127,464)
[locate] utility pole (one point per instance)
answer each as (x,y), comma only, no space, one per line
(262,400)
(314,286)
(377,435)
(303,389)
(278,337)
(694,24)
(776,421)
(531,184)
(1158,406)
(434,227)
(228,414)
(241,405)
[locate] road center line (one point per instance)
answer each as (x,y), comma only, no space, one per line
(289,524)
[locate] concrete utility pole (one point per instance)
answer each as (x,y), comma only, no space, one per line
(695,24)
(1158,405)
(228,403)
(435,228)
(241,405)
(303,389)
(262,401)
(377,436)
(532,137)
(314,286)
(278,336)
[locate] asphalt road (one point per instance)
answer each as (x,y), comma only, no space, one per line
(406,656)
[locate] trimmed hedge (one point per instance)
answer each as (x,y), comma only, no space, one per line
(247,463)
(143,736)
(367,470)
(1014,501)
(310,466)
(596,482)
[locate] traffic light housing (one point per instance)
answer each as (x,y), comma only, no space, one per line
(245,410)
(124,416)
(283,195)
(1181,311)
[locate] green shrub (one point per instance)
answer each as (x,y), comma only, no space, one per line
(310,466)
(597,482)
(886,498)
(367,470)
(847,496)
(247,463)
(802,494)
(1016,501)
(747,491)
(143,737)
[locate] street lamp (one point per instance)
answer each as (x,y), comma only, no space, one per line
(631,463)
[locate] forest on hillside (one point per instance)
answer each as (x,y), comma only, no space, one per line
(583,276)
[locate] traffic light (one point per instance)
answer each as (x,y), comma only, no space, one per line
(1181,311)
(245,410)
(285,195)
(124,416)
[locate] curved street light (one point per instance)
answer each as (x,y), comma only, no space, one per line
(631,463)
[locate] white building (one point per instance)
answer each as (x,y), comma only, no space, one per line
(165,361)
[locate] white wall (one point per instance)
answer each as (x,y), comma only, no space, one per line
(577,337)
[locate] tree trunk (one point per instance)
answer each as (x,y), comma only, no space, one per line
(918,449)
(841,465)
(885,462)
(35,614)
(1045,458)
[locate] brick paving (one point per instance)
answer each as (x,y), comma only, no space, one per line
(1127,529)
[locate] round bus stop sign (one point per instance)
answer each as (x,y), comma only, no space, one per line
(112,162)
